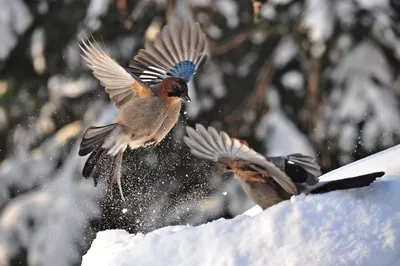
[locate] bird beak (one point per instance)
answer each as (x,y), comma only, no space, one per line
(186,98)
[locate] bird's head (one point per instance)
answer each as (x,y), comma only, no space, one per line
(174,87)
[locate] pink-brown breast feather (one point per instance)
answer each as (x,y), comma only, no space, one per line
(173,107)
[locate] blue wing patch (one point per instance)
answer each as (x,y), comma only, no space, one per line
(183,70)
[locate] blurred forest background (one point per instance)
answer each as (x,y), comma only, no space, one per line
(319,77)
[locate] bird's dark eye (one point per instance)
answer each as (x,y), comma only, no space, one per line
(175,87)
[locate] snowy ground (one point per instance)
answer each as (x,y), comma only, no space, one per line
(354,227)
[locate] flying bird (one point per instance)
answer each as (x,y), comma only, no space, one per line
(147,94)
(266,180)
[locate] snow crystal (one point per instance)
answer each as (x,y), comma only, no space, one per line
(318,19)
(352,227)
(214,32)
(60,85)
(285,52)
(268,11)
(245,64)
(194,107)
(229,9)
(37,50)
(293,80)
(95,10)
(373,4)
(212,79)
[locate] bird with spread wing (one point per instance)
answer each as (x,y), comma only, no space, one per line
(147,94)
(266,180)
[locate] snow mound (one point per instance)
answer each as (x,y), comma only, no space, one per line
(353,227)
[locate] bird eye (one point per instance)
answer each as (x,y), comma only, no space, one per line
(175,87)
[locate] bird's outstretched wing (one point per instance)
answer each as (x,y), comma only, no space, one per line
(179,50)
(119,84)
(214,146)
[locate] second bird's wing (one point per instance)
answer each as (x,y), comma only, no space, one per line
(214,146)
(179,50)
(119,84)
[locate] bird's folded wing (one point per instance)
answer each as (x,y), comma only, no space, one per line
(119,84)
(307,162)
(179,50)
(211,145)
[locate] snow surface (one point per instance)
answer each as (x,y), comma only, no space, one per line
(353,227)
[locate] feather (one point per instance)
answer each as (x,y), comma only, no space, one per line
(224,147)
(179,50)
(346,183)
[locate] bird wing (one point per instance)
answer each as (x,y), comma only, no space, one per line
(179,50)
(214,146)
(307,162)
(119,84)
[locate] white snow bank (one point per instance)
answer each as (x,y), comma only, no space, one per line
(353,227)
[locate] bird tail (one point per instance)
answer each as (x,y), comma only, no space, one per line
(94,138)
(347,183)
(98,142)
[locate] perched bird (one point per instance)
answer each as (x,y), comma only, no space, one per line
(147,94)
(266,180)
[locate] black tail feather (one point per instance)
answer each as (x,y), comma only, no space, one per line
(94,137)
(348,183)
(100,164)
(92,164)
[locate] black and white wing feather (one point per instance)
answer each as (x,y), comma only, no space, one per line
(290,164)
(179,50)
(305,161)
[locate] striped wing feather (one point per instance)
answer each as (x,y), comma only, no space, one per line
(178,51)
(214,146)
